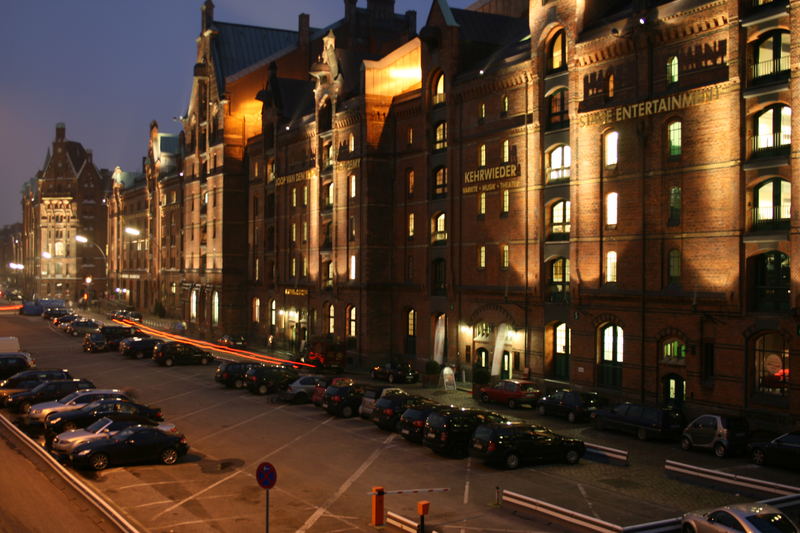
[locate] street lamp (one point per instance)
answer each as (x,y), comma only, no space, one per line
(132,231)
(83,240)
(47,255)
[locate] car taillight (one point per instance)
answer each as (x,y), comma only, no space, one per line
(336,398)
(418,423)
(226,375)
(388,412)
(159,415)
(183,440)
(289,389)
(443,436)
(252,378)
(491,446)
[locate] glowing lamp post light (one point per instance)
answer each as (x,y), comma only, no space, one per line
(132,231)
(84,240)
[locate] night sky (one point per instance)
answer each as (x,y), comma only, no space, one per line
(106,68)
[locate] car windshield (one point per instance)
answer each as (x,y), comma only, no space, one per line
(69,397)
(435,420)
(40,387)
(125,433)
(772,523)
(92,406)
(527,388)
(98,425)
(483,433)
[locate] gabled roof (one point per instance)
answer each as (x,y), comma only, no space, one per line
(127,180)
(489,28)
(292,98)
(444,7)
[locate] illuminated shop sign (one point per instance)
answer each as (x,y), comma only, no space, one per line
(295,292)
(485,179)
(649,107)
(297,177)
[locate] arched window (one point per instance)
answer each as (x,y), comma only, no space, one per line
(411,225)
(610,148)
(611,267)
(611,339)
(612,201)
(610,86)
(440,182)
(439,227)
(563,339)
(672,70)
(558,110)
(560,220)
(559,280)
(773,201)
(438,90)
(771,364)
(482,156)
(273,312)
(557,52)
(674,266)
(215,308)
(559,160)
(773,128)
(674,206)
(410,182)
(60,249)
(674,141)
(506,151)
(353,185)
(193,305)
(351,321)
(673,350)
(330,326)
(440,136)
(256,310)
(771,54)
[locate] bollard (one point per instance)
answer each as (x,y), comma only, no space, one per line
(498,496)
(423,507)
(377,506)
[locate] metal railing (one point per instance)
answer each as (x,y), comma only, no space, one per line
(439,99)
(771,217)
(438,236)
(770,142)
(769,67)
(558,174)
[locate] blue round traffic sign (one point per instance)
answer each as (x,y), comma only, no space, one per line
(266,475)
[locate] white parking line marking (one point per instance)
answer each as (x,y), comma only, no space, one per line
(157,401)
(195,495)
(150,484)
(344,487)
(466,485)
(207,520)
(187,415)
(243,422)
(588,502)
(297,438)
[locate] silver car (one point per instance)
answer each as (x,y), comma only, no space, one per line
(76,400)
(103,428)
(301,389)
(747,517)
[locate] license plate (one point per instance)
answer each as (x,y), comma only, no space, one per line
(405,432)
(325,405)
(431,435)
(478,446)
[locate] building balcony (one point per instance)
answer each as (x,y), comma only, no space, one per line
(439,99)
(770,299)
(559,235)
(770,145)
(771,71)
(557,174)
(771,218)
(439,237)
(558,293)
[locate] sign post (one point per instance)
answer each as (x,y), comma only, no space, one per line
(266,475)
(448,378)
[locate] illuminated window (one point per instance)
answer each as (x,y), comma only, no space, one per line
(410,182)
(610,86)
(482,111)
(440,136)
(771,364)
(293,267)
(331,326)
(352,185)
(304,263)
(482,203)
(557,52)
(305,195)
(294,197)
(411,323)
(506,202)
(215,308)
(559,161)
(672,70)
(611,267)
(439,227)
(674,206)
(673,349)
(771,54)
(352,267)
(558,110)
(411,225)
(674,266)
(351,322)
(482,155)
(273,312)
(256,310)
(559,275)
(438,90)
(560,217)
(293,233)
(612,199)
(506,151)
(610,146)
(440,182)
(773,128)
(305,231)
(612,344)
(505,256)
(773,200)
(482,257)
(674,138)
(504,106)
(410,135)
(193,305)
(563,339)
(351,143)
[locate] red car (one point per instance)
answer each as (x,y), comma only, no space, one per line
(319,389)
(512,392)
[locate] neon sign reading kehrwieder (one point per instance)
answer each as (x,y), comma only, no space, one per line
(480,179)
(649,107)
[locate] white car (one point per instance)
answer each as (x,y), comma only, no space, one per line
(103,428)
(746,517)
(76,400)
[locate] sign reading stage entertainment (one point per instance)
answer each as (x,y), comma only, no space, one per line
(486,179)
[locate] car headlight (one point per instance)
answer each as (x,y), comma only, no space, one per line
(87,451)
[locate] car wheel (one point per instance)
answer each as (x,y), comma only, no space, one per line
(484,398)
(688,528)
(238,384)
(169,361)
(24,407)
(572,457)
(139,355)
(641,433)
(69,426)
(512,404)
(542,410)
(98,461)
(347,411)
(391,378)
(169,456)
(263,389)
(512,461)
(686,444)
(204,361)
(758,456)
(720,450)
(572,417)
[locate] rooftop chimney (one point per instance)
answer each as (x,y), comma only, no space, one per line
(207,17)
(61,131)
(303,32)
(350,9)
(380,9)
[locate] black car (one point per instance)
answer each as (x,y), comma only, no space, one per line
(513,443)
(412,421)
(114,409)
(232,373)
(95,342)
(233,341)
(389,409)
(114,334)
(395,372)
(643,420)
(45,392)
(448,430)
(263,379)
(180,353)
(138,347)
(11,363)
(343,400)
(53,312)
(782,451)
(66,319)
(28,379)
(572,404)
(136,444)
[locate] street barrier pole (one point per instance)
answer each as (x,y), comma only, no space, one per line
(377,506)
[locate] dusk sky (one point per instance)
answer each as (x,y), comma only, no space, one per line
(108,68)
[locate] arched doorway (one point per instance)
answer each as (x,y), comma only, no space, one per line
(482,358)
(673,390)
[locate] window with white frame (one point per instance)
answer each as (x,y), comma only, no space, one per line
(559,161)
(331,326)
(506,202)
(674,140)
(612,200)
(273,312)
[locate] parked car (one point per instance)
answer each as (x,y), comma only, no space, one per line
(11,363)
(232,373)
(82,327)
(412,421)
(103,428)
(39,411)
(233,341)
(134,316)
(512,392)
(63,321)
(95,342)
(781,451)
(390,407)
(136,444)
(343,400)
(263,379)
(643,420)
(179,353)
(448,430)
(301,389)
(53,312)
(512,444)
(138,347)
(28,379)
(319,390)
(723,434)
(115,334)
(395,372)
(745,517)
(325,353)
(116,409)
(370,397)
(572,404)
(46,391)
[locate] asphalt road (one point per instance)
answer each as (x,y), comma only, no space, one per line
(327,466)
